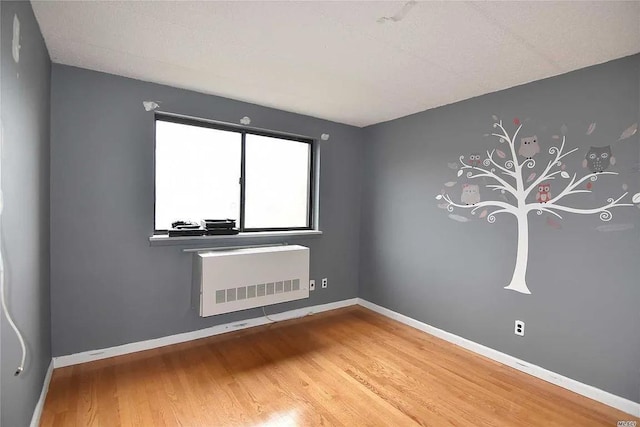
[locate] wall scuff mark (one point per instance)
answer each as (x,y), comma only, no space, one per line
(400,15)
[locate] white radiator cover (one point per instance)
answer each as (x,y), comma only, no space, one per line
(238,279)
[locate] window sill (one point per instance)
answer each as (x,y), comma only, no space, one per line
(164,240)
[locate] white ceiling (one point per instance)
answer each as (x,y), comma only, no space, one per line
(333,59)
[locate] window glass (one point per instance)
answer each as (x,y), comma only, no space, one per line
(197,173)
(277,183)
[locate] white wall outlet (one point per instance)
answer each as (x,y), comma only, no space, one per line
(519,328)
(312,285)
(325,283)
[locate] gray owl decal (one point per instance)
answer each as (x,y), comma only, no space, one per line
(475,159)
(598,159)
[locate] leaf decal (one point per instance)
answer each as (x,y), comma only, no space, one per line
(563,167)
(636,198)
(459,218)
(460,173)
(443,205)
(614,227)
(531,177)
(625,187)
(453,166)
(553,223)
(501,154)
(494,117)
(450,183)
(564,129)
(629,132)
(439,197)
(483,214)
(564,174)
(592,127)
(555,137)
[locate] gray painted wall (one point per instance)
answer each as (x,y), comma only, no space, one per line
(108,286)
(25,91)
(582,317)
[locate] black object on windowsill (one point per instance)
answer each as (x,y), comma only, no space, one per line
(185,228)
(221,231)
(211,224)
(181,232)
(220,227)
(184,225)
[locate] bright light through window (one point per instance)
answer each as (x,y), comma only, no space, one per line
(197,173)
(199,176)
(277,183)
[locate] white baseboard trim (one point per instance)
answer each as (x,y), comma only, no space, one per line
(586,390)
(37,412)
(89,356)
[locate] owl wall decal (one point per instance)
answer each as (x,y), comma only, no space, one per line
(529,146)
(474,160)
(598,159)
(470,194)
(543,195)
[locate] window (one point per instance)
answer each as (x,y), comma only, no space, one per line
(204,170)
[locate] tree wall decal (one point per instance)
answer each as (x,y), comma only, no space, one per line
(508,178)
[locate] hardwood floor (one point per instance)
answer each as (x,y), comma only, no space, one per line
(348,367)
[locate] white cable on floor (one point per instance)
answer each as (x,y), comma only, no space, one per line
(2,295)
(265,315)
(10,320)
(289,318)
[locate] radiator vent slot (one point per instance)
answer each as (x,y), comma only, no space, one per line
(238,279)
(246,292)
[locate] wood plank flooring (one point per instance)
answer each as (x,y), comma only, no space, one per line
(349,367)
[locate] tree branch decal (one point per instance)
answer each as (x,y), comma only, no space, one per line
(502,171)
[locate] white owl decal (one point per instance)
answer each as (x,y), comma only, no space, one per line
(529,147)
(470,194)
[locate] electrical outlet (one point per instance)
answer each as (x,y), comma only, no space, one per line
(312,285)
(519,328)
(325,283)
